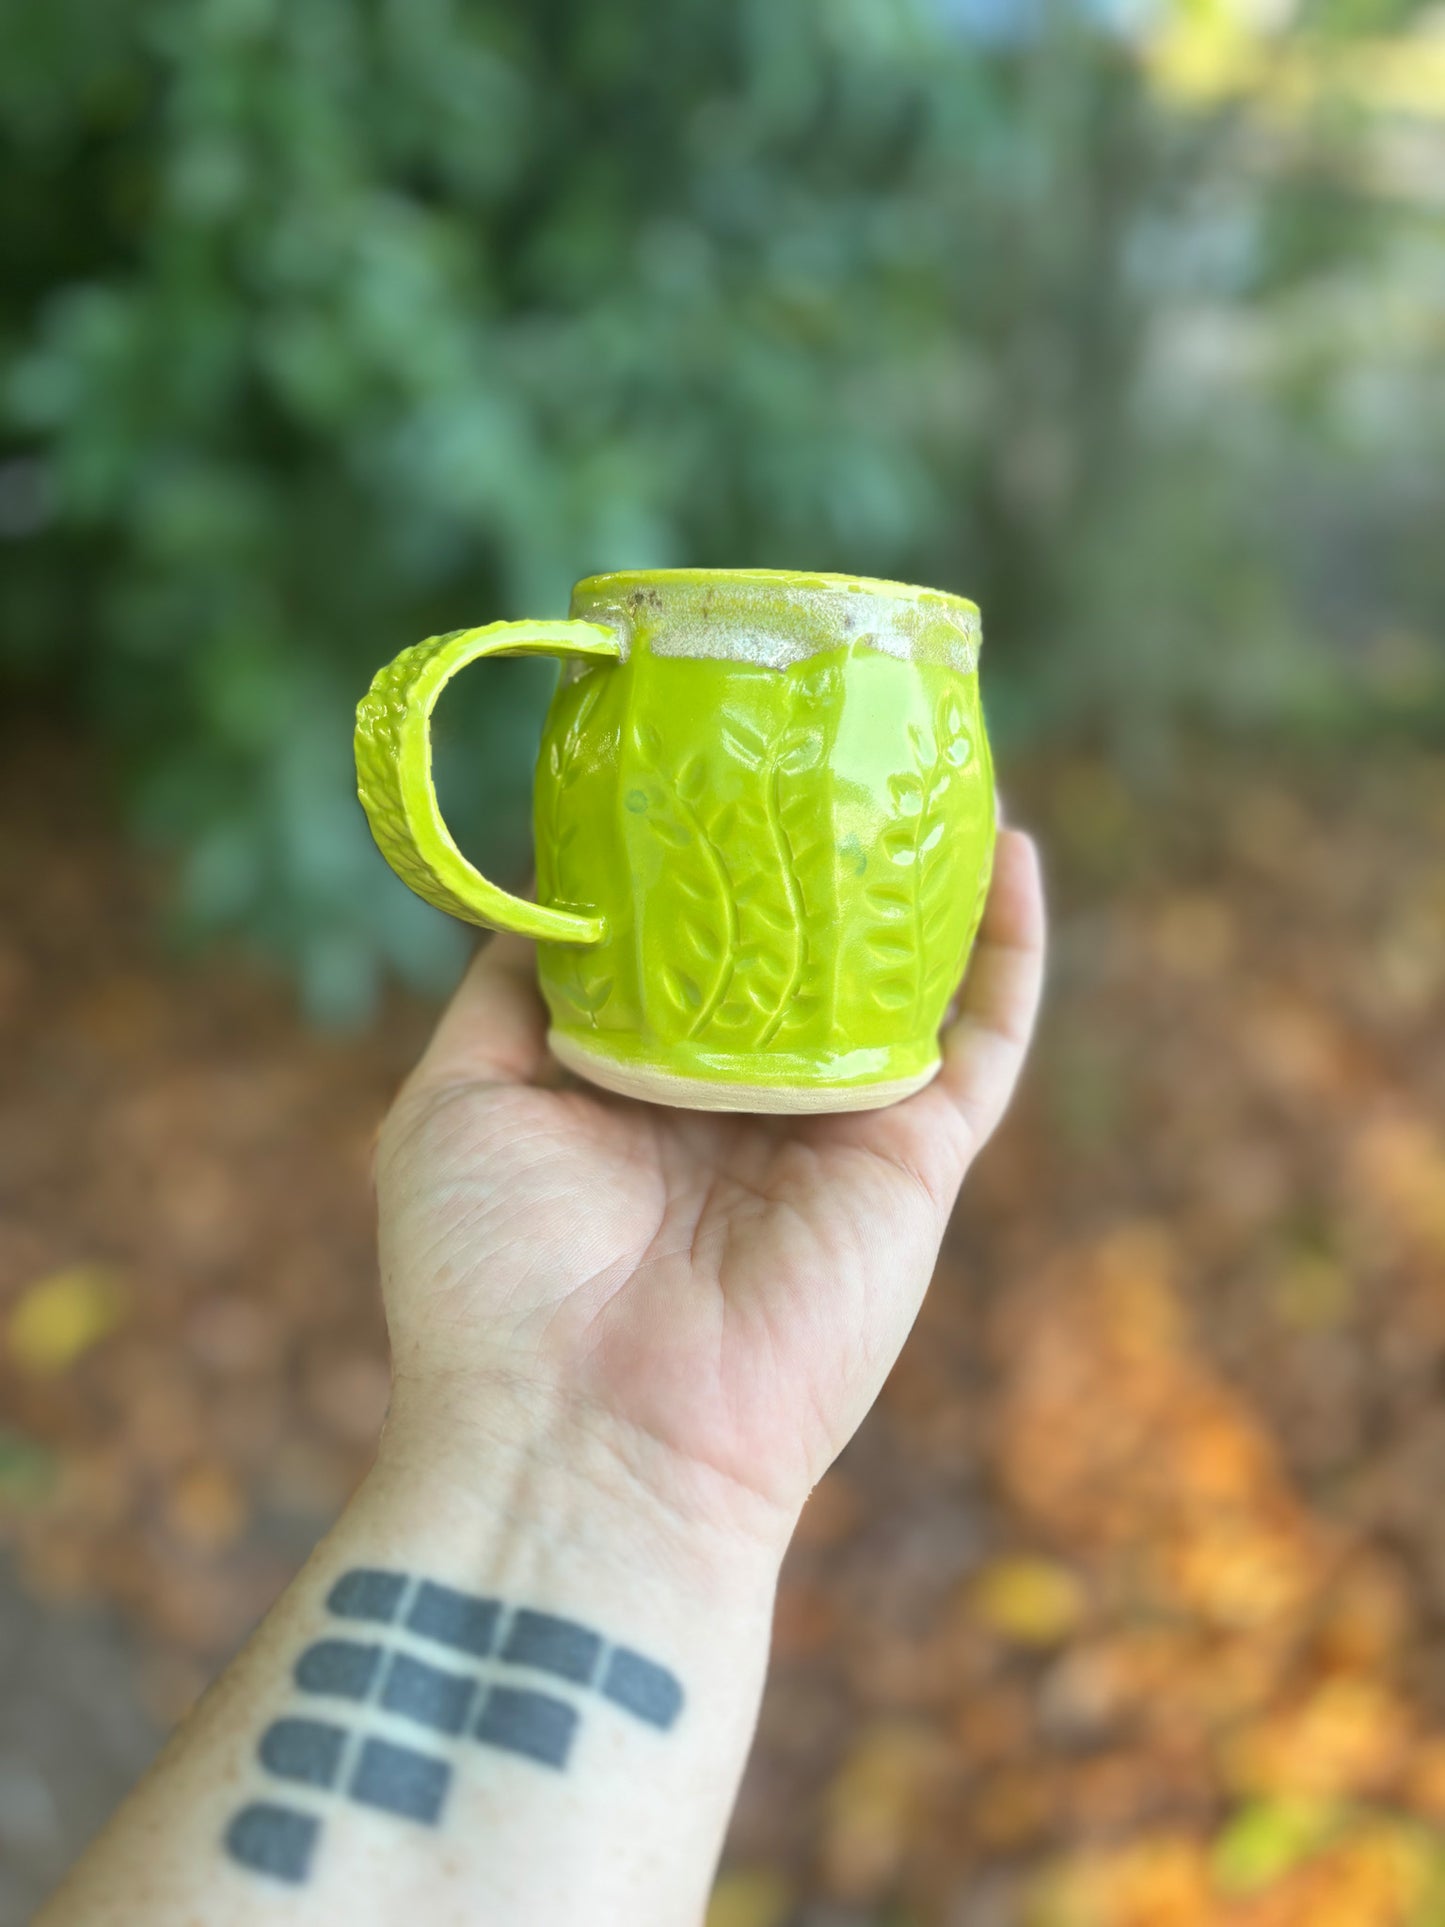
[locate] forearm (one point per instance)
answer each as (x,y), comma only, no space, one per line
(536,1708)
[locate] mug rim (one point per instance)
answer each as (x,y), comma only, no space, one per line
(619,581)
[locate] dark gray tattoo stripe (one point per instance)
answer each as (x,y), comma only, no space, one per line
(305,1750)
(427,1695)
(339,1667)
(384,1677)
(533,1724)
(552,1645)
(365,1594)
(412,1785)
(644,1688)
(456,1619)
(543,1642)
(273,1840)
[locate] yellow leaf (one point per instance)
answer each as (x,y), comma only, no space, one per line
(1267,1839)
(58,1317)
(877,1798)
(1313,1293)
(1032,1602)
(750,1897)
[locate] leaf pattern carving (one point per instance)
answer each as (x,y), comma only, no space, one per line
(755,872)
(911,902)
(800,793)
(677,813)
(782,893)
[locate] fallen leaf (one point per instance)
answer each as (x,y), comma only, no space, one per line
(1313,1292)
(1423,1787)
(1400,1168)
(874,1804)
(206,1508)
(1381,1873)
(1343,1740)
(59,1317)
(1366,1620)
(1029,1602)
(750,1897)
(1269,1838)
(1157,1881)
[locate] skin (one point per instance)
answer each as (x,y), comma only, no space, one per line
(627,1341)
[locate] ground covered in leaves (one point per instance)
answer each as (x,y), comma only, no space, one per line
(1127,1606)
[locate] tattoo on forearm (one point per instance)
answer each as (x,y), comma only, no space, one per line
(391,1680)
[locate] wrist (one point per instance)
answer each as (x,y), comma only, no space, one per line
(549,1489)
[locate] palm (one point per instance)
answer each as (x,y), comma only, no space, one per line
(731,1290)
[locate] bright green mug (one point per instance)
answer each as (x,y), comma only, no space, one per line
(764,822)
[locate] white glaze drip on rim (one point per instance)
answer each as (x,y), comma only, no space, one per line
(776,618)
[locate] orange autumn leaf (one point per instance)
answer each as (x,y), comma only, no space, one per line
(1423,1785)
(1160,1881)
(1380,1875)
(1343,1740)
(1234,1570)
(1399,1166)
(207,1508)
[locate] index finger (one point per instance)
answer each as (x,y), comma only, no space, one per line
(495,1027)
(985,1045)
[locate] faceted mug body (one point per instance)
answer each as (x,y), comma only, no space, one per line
(765,828)
(781,800)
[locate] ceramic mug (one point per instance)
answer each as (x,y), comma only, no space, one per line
(764,817)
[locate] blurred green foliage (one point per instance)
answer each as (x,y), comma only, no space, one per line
(330,323)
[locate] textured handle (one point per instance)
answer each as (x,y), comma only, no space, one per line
(394,777)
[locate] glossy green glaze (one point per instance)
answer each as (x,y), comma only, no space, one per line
(394,781)
(768,827)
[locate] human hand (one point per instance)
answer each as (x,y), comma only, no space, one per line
(714,1299)
(626,1341)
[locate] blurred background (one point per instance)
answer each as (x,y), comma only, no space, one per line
(331,324)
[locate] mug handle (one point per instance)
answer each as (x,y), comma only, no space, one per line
(394,773)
